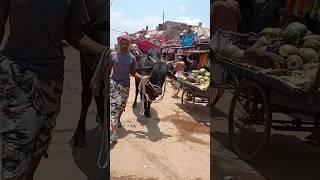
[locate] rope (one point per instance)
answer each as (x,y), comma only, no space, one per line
(142,88)
(117,30)
(104,148)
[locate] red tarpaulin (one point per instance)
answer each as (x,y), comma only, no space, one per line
(145,45)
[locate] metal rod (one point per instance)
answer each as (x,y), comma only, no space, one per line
(294,122)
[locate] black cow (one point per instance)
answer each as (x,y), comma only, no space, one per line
(98,30)
(152,65)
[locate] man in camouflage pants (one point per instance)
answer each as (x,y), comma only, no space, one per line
(31,76)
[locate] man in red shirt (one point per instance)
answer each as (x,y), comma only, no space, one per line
(225,14)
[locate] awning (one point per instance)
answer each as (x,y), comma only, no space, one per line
(145,45)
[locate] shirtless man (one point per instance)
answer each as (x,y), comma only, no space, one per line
(179,67)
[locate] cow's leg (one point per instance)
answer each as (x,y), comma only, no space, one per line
(147,109)
(136,95)
(86,96)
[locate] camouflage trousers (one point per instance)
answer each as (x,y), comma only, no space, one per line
(29,105)
(118,100)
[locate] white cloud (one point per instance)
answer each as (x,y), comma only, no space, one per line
(114,14)
(190,21)
(182,8)
(152,20)
(129,24)
(121,23)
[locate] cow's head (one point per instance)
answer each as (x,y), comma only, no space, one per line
(158,72)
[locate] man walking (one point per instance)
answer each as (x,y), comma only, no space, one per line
(31,76)
(122,64)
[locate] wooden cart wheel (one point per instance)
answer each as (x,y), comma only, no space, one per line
(177,88)
(249,120)
(187,99)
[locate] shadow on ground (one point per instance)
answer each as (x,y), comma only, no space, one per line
(153,134)
(200,113)
(284,157)
(216,112)
(86,158)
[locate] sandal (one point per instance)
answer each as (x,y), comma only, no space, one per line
(113,138)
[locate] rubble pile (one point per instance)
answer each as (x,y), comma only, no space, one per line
(168,34)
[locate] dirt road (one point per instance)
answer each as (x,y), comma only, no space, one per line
(170,145)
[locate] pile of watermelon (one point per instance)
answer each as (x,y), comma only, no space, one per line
(296,45)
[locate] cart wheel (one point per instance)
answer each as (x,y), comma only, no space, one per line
(249,120)
(187,99)
(177,88)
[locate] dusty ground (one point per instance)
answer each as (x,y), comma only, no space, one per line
(170,145)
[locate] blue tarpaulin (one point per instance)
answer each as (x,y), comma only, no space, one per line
(188,39)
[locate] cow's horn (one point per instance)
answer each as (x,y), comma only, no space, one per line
(153,60)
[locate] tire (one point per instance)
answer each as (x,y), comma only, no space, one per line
(187,104)
(247,144)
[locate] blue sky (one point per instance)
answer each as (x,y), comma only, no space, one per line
(134,15)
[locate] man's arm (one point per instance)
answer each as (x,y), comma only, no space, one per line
(75,19)
(134,69)
(82,42)
(135,74)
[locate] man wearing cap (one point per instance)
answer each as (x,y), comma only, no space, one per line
(31,77)
(122,64)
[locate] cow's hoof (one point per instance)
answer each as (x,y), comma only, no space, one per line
(80,143)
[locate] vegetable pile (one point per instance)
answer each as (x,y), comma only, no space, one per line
(296,46)
(199,78)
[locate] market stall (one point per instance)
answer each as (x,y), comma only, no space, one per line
(195,82)
(200,59)
(169,53)
(195,87)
